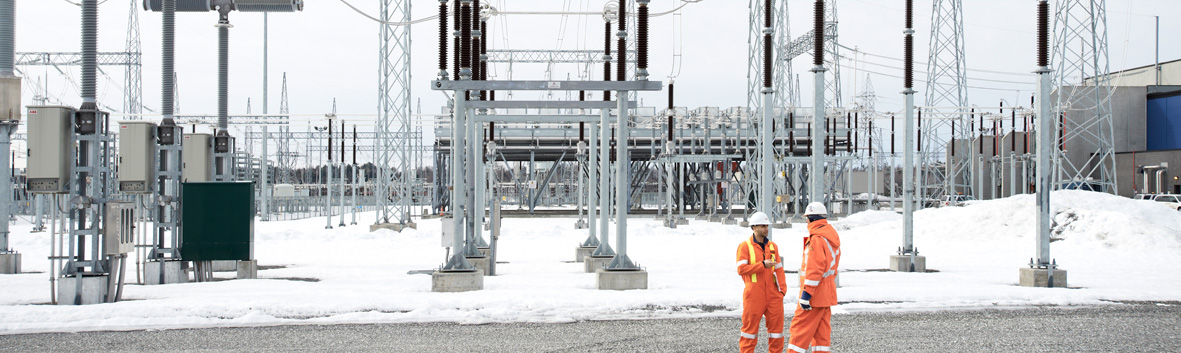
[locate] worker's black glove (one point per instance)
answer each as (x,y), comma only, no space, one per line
(806,301)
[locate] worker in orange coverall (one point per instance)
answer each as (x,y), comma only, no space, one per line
(812,324)
(761,269)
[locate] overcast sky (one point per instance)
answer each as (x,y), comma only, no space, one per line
(329,51)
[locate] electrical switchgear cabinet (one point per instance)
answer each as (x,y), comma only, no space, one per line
(51,148)
(137,153)
(198,158)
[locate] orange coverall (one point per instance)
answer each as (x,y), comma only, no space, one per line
(822,256)
(763,295)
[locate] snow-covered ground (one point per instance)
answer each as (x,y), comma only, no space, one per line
(1114,249)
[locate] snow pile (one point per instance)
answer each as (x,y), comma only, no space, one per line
(1114,249)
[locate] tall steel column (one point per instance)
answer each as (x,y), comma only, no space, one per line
(766,126)
(1045,134)
(393,123)
(1086,141)
(592,187)
(816,170)
(9,116)
(459,151)
(604,248)
(908,149)
(622,164)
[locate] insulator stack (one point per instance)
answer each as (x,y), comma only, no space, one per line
(607,58)
(642,37)
(1043,34)
(476,39)
(908,51)
(671,112)
(465,37)
(455,34)
(442,35)
(767,44)
(621,60)
(818,29)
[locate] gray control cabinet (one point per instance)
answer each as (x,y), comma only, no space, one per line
(198,158)
(119,228)
(137,152)
(51,148)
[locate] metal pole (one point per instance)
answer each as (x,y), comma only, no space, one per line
(604,248)
(458,154)
(264,191)
(908,149)
(6,129)
(1157,50)
(1045,144)
(622,165)
(592,187)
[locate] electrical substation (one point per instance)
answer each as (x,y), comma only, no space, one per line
(144,198)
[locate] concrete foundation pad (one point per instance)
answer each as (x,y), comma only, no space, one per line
(669,223)
(581,224)
(901,263)
(94,290)
(682,221)
(397,227)
(1040,277)
(594,263)
(582,252)
(715,218)
(782,225)
(485,251)
(744,224)
(248,269)
(622,279)
(465,281)
(481,263)
(729,221)
(10,263)
(701,217)
(174,272)
(225,265)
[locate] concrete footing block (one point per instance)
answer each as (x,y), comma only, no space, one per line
(582,252)
(595,263)
(781,225)
(715,218)
(901,263)
(701,217)
(481,263)
(669,223)
(744,224)
(485,251)
(225,265)
(581,224)
(397,227)
(94,290)
(10,263)
(622,279)
(174,272)
(729,221)
(682,221)
(248,269)
(1040,277)
(464,281)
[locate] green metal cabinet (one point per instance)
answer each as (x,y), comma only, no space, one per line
(217,221)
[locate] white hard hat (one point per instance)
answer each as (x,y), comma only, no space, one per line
(759,219)
(816,208)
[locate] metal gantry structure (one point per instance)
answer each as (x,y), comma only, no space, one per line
(1085,150)
(393,123)
(946,106)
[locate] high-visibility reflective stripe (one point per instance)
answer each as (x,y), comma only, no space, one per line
(751,249)
(830,271)
(747,335)
(776,335)
(809,282)
(821,349)
(797,349)
(743,262)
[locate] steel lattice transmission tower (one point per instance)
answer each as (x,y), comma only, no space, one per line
(947,97)
(1086,145)
(781,84)
(393,123)
(133,78)
(286,158)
